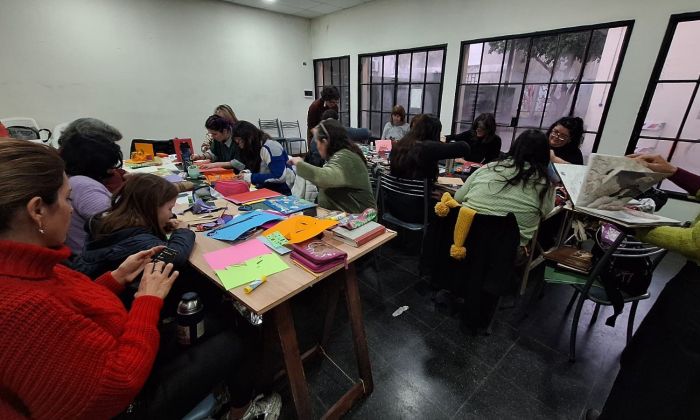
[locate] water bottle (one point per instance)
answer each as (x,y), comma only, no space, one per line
(190,319)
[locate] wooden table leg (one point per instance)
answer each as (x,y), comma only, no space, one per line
(284,323)
(352,293)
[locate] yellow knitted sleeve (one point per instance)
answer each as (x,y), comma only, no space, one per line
(685,241)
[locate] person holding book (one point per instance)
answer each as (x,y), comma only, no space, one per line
(343,181)
(485,144)
(518,184)
(565,137)
(660,367)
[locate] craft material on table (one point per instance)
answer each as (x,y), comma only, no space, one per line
(449,180)
(289,204)
(282,250)
(236,254)
(242,224)
(250,196)
(300,228)
(277,239)
(253,269)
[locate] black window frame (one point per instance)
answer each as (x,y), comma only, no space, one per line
(654,80)
(629,24)
(340,86)
(396,83)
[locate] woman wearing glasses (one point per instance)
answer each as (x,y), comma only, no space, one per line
(343,182)
(565,137)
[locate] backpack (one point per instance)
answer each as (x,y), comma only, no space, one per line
(20,132)
(621,275)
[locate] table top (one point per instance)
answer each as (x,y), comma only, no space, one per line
(285,284)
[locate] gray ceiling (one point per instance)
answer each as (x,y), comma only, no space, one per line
(301,8)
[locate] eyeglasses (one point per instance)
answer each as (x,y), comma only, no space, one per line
(559,136)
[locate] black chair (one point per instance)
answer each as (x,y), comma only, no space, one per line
(625,246)
(291,133)
(159,146)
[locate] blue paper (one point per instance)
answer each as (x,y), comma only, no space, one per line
(242,224)
(289,204)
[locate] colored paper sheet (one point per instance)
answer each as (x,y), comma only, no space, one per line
(226,257)
(277,239)
(278,249)
(242,224)
(249,196)
(252,269)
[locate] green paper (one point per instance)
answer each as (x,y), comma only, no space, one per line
(277,239)
(253,269)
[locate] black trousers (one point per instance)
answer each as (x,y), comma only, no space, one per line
(659,374)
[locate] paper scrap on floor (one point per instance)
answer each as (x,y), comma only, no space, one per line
(253,269)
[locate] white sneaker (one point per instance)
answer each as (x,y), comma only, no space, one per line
(267,408)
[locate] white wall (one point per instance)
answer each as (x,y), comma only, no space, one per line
(395,24)
(152,68)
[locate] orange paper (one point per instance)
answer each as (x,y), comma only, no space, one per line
(145,148)
(300,228)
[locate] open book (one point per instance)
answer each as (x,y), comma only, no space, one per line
(607,184)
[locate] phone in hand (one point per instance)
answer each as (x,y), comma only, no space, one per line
(167,255)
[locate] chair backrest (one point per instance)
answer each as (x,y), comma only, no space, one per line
(361,135)
(405,194)
(271,127)
(159,146)
(290,129)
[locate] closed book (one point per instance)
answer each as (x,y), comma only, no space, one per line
(571,257)
(361,235)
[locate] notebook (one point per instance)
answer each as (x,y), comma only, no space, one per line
(361,235)
(249,196)
(289,204)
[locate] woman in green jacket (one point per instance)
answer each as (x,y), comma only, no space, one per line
(343,182)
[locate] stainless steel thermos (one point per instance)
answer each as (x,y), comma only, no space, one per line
(190,319)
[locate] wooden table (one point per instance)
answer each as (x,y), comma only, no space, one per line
(272,300)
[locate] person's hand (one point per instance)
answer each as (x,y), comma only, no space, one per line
(134,264)
(654,162)
(214,165)
(171,225)
(294,160)
(157,279)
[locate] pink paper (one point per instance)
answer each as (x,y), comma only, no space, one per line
(382,145)
(224,258)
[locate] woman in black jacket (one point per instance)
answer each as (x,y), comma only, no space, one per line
(482,138)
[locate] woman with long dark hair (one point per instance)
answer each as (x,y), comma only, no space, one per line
(264,159)
(565,137)
(416,155)
(518,184)
(343,181)
(482,138)
(223,151)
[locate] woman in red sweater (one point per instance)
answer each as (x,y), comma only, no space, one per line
(69,349)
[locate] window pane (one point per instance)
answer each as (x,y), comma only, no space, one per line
(604,54)
(654,147)
(492,62)
(376,122)
(376,101)
(377,69)
(388,101)
(344,99)
(667,108)
(345,72)
(404,67)
(532,106)
(386,117)
(432,99)
(365,97)
(345,118)
(542,55)
(415,100)
(559,102)
(418,67)
(486,99)
(364,119)
(318,72)
(465,107)
(691,130)
(587,145)
(335,72)
(572,48)
(366,67)
(389,68)
(460,127)
(434,66)
(591,103)
(318,91)
(516,58)
(470,64)
(507,108)
(327,79)
(687,156)
(506,135)
(402,96)
(681,61)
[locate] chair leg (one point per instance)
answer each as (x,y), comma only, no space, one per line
(574,328)
(630,321)
(571,302)
(595,314)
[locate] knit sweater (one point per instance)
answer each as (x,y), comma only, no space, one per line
(69,348)
(486,192)
(343,182)
(684,240)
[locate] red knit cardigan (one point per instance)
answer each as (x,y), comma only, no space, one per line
(68,348)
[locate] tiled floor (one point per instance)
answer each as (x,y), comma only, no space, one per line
(425,367)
